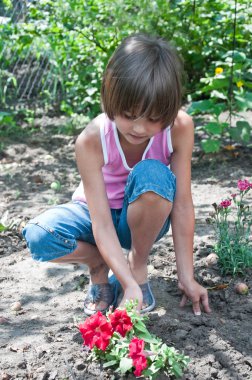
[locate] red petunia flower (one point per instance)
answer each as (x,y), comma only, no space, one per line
(140,363)
(136,353)
(225,204)
(136,347)
(243,185)
(120,322)
(96,331)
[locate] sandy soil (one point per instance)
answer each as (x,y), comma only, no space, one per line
(40,341)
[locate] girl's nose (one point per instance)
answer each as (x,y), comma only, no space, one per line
(139,128)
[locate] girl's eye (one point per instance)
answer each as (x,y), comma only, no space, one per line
(129,116)
(152,120)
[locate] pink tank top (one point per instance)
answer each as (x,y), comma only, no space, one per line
(115,169)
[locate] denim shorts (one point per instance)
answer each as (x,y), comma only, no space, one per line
(55,232)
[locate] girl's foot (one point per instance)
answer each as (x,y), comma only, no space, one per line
(99,298)
(148,298)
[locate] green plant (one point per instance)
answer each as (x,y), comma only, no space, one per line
(6,223)
(122,341)
(228,87)
(74,39)
(7,123)
(233,231)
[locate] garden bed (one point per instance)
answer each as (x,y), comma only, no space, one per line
(41,341)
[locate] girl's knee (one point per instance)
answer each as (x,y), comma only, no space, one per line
(45,244)
(153,178)
(152,198)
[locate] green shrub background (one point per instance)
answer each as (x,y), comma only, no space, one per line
(77,38)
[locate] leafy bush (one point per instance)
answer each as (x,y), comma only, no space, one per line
(73,39)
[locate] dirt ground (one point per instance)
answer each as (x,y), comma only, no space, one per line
(40,341)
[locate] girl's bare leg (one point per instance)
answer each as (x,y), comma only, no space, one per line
(146,217)
(88,254)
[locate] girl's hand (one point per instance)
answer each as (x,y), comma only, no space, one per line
(197,294)
(132,293)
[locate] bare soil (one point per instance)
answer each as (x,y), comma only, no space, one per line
(41,341)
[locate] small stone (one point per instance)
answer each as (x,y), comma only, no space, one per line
(16,306)
(211,259)
(22,365)
(241,288)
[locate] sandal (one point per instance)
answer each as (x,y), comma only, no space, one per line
(99,292)
(148,297)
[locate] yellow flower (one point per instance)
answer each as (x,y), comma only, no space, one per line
(218,70)
(239,84)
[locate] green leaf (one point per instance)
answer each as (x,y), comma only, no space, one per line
(218,94)
(237,55)
(210,146)
(139,325)
(200,106)
(125,365)
(3,227)
(110,363)
(176,370)
(148,338)
(245,101)
(242,131)
(213,128)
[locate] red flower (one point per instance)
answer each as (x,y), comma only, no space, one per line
(136,353)
(96,331)
(136,347)
(243,185)
(140,363)
(120,322)
(225,204)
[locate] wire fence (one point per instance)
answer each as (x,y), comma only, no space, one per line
(27,77)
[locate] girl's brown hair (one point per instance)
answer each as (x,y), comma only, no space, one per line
(143,77)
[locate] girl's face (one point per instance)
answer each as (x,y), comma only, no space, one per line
(137,130)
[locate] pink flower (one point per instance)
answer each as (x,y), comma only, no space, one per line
(233,195)
(136,353)
(243,185)
(225,204)
(136,347)
(140,363)
(96,331)
(120,322)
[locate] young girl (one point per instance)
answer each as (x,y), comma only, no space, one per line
(128,194)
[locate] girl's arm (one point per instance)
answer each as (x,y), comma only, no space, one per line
(90,160)
(183,213)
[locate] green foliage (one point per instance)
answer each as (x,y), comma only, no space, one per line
(7,123)
(6,223)
(160,357)
(228,87)
(233,232)
(75,38)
